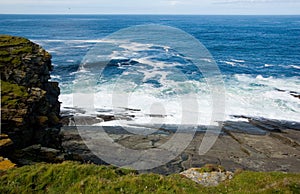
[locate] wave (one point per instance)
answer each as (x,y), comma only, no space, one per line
(268,65)
(238,60)
(245,95)
(234,63)
(258,96)
(294,66)
(55,77)
(72,40)
(160,81)
(290,66)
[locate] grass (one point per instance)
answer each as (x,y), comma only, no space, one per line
(11,49)
(12,94)
(72,177)
(7,40)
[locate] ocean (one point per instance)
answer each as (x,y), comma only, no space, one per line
(258,58)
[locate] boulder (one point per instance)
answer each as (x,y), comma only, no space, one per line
(209,175)
(6,164)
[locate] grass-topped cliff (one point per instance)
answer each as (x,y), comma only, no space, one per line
(30,115)
(71,177)
(29,102)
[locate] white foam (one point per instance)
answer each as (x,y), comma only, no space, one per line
(55,77)
(241,99)
(290,66)
(66,100)
(268,65)
(81,46)
(244,98)
(238,61)
(295,66)
(207,60)
(134,46)
(191,100)
(78,41)
(150,102)
(52,51)
(230,63)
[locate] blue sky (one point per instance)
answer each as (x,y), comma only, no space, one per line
(244,7)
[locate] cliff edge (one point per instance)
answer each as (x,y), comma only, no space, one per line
(29,102)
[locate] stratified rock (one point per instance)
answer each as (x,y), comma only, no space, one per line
(266,145)
(29,103)
(5,142)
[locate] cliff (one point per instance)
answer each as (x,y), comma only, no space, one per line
(29,102)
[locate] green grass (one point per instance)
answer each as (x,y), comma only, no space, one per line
(7,40)
(12,94)
(72,177)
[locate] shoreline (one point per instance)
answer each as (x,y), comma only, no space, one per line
(267,145)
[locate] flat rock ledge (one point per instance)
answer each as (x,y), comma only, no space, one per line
(258,145)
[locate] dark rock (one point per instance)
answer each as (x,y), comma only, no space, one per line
(292,93)
(237,148)
(37,153)
(107,117)
(30,106)
(242,127)
(75,148)
(86,120)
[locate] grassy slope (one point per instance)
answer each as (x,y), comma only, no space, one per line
(71,177)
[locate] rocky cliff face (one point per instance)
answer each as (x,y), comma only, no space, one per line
(29,102)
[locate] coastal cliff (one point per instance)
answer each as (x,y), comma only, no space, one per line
(29,102)
(30,122)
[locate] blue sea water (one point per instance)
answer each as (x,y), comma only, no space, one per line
(258,56)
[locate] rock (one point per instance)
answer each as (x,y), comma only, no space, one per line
(6,164)
(6,146)
(5,141)
(85,120)
(30,106)
(75,148)
(213,178)
(258,149)
(107,117)
(242,127)
(37,153)
(115,117)
(292,93)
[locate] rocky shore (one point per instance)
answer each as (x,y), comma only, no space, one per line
(32,129)
(257,145)
(29,102)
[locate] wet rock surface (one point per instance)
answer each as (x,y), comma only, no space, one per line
(259,145)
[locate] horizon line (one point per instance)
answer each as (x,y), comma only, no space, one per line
(169,14)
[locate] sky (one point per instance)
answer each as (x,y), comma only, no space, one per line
(199,7)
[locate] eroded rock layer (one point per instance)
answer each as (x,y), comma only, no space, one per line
(29,102)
